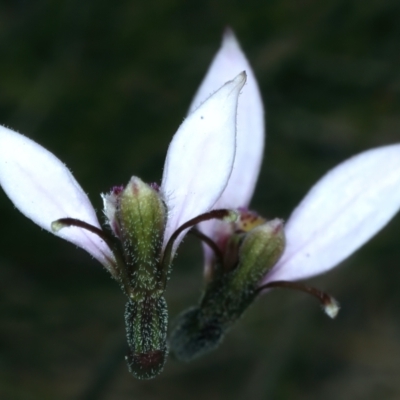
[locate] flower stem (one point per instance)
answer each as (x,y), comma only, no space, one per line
(117,270)
(329,304)
(221,214)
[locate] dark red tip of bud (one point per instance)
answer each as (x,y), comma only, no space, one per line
(146,365)
(155,186)
(117,189)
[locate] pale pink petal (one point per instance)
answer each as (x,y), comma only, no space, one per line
(44,190)
(348,206)
(200,157)
(229,61)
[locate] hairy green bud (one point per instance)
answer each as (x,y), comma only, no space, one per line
(137,217)
(201,329)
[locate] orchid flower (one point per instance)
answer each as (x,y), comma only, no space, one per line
(147,222)
(245,258)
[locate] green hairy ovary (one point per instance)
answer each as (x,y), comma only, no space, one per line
(141,221)
(201,329)
(146,326)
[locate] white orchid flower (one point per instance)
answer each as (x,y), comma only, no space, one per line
(197,168)
(341,212)
(147,222)
(243,259)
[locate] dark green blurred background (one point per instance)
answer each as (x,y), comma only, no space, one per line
(104,85)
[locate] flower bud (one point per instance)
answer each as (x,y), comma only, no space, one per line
(201,329)
(259,252)
(137,217)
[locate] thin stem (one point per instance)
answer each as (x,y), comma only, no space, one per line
(215,214)
(329,304)
(118,272)
(66,222)
(210,243)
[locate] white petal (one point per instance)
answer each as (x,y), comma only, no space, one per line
(44,190)
(349,205)
(200,157)
(228,62)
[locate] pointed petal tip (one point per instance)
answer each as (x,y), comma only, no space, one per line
(229,38)
(240,79)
